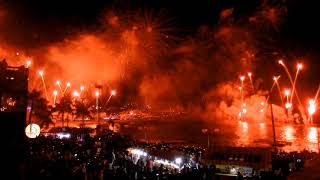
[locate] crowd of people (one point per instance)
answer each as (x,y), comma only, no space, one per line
(284,163)
(100,157)
(108,156)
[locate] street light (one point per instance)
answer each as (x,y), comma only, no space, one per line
(242,79)
(97,106)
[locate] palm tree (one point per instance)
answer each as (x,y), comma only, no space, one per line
(40,109)
(82,110)
(64,107)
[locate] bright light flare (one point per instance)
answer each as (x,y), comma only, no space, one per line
(249,74)
(97,94)
(41,72)
(28,63)
(178,160)
(55,93)
(81,88)
(288,105)
(242,78)
(312,107)
(68,84)
(287,92)
(275,78)
(244,110)
(113,92)
(76,94)
(58,83)
(280,62)
(299,66)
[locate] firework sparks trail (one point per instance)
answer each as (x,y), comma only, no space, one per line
(44,84)
(270,91)
(55,93)
(67,86)
(58,83)
(97,106)
(299,66)
(113,92)
(279,90)
(251,81)
(275,83)
(290,78)
(81,89)
(317,94)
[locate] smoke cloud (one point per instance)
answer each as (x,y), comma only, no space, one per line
(198,74)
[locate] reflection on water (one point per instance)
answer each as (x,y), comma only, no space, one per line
(289,136)
(313,135)
(289,133)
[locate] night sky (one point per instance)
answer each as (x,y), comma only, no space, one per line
(51,20)
(29,24)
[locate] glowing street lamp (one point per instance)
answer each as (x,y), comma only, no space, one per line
(242,79)
(97,105)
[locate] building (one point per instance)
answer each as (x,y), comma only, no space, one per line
(13,109)
(249,161)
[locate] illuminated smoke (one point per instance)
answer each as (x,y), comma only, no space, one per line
(139,52)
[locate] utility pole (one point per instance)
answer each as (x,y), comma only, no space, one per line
(273,129)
